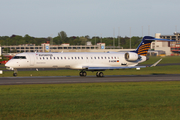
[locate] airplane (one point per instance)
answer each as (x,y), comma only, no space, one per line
(84,61)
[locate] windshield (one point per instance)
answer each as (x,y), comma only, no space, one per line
(19,57)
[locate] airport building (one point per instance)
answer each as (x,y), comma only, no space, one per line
(170,48)
(46,47)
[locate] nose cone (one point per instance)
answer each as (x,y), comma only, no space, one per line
(9,64)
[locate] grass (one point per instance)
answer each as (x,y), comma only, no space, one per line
(174,69)
(104,101)
(165,60)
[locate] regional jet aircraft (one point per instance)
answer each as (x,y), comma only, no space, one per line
(84,61)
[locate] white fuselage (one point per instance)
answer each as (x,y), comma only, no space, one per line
(70,60)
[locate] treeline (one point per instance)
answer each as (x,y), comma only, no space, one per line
(73,40)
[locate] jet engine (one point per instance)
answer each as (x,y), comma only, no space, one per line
(131,56)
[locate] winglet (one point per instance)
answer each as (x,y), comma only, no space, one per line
(156,63)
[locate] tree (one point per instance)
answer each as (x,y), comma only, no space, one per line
(83,40)
(62,37)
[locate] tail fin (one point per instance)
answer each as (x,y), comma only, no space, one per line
(146,44)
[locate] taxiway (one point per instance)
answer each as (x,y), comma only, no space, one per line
(88,79)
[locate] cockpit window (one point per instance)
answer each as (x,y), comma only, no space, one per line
(19,57)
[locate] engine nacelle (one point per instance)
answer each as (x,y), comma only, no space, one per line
(131,56)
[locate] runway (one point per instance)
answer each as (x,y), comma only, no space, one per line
(88,79)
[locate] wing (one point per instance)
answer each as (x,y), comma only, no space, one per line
(90,68)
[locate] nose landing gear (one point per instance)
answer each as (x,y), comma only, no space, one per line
(15,72)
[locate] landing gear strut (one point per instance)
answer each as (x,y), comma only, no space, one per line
(15,72)
(83,74)
(99,74)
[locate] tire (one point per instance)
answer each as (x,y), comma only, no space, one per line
(14,74)
(101,74)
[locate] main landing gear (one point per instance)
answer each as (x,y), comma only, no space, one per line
(83,74)
(98,74)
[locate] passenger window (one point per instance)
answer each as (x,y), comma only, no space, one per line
(108,57)
(58,58)
(68,57)
(64,57)
(43,57)
(40,58)
(91,57)
(81,57)
(78,57)
(98,57)
(71,57)
(50,57)
(104,57)
(114,57)
(101,57)
(111,57)
(54,57)
(61,57)
(47,58)
(86,57)
(75,57)
(94,57)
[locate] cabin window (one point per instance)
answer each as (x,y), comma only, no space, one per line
(40,58)
(50,57)
(71,57)
(104,57)
(91,57)
(108,57)
(64,57)
(86,57)
(111,57)
(61,57)
(94,57)
(98,57)
(78,57)
(81,57)
(43,57)
(101,57)
(47,58)
(58,58)
(114,57)
(68,57)
(54,57)
(75,57)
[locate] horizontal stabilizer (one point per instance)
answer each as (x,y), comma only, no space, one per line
(161,39)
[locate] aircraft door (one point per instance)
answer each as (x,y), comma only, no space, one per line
(32,59)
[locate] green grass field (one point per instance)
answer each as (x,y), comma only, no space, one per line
(175,69)
(103,101)
(89,101)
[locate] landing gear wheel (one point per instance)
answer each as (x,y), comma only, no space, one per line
(83,74)
(99,74)
(14,74)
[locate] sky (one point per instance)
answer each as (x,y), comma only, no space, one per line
(106,18)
